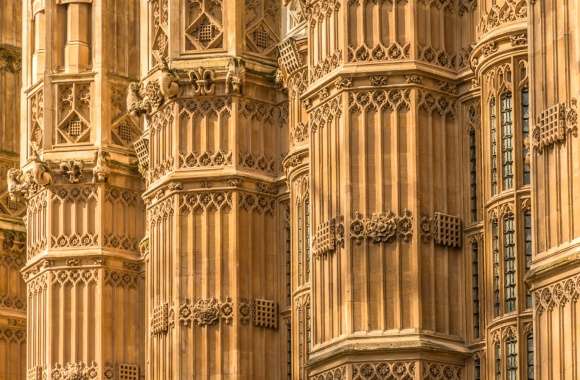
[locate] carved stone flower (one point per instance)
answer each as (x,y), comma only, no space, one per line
(206,312)
(357,227)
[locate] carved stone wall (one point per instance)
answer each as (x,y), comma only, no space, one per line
(288,189)
(84,214)
(554,147)
(13,311)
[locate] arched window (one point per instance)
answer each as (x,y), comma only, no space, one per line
(507,140)
(509,263)
(530,356)
(307,236)
(493,145)
(496,265)
(477,369)
(497,358)
(475,286)
(511,359)
(525,135)
(303,239)
(473,174)
(300,242)
(528,250)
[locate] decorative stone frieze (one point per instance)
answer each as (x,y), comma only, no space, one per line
(555,125)
(385,227)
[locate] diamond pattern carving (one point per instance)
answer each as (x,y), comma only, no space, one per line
(73,113)
(263,20)
(159,14)
(204,28)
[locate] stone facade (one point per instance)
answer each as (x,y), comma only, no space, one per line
(289,189)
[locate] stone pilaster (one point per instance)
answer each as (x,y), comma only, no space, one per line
(554,38)
(216,127)
(387,206)
(85,215)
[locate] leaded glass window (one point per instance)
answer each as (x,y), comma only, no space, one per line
(497,358)
(528,250)
(473,174)
(493,147)
(507,140)
(530,356)
(511,359)
(496,265)
(307,237)
(475,286)
(526,135)
(509,263)
(300,243)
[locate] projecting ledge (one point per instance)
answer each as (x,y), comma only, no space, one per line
(415,345)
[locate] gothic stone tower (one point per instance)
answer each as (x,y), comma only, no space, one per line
(84,209)
(215,133)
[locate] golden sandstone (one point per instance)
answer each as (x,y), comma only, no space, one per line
(289,189)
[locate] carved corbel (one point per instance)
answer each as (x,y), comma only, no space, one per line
(234,76)
(168,81)
(145,98)
(22,183)
(203,81)
(101,169)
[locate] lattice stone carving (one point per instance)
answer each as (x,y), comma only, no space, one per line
(554,124)
(73,113)
(265,313)
(160,319)
(128,372)
(124,131)
(443,229)
(263,20)
(204,28)
(142,151)
(328,237)
(289,56)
